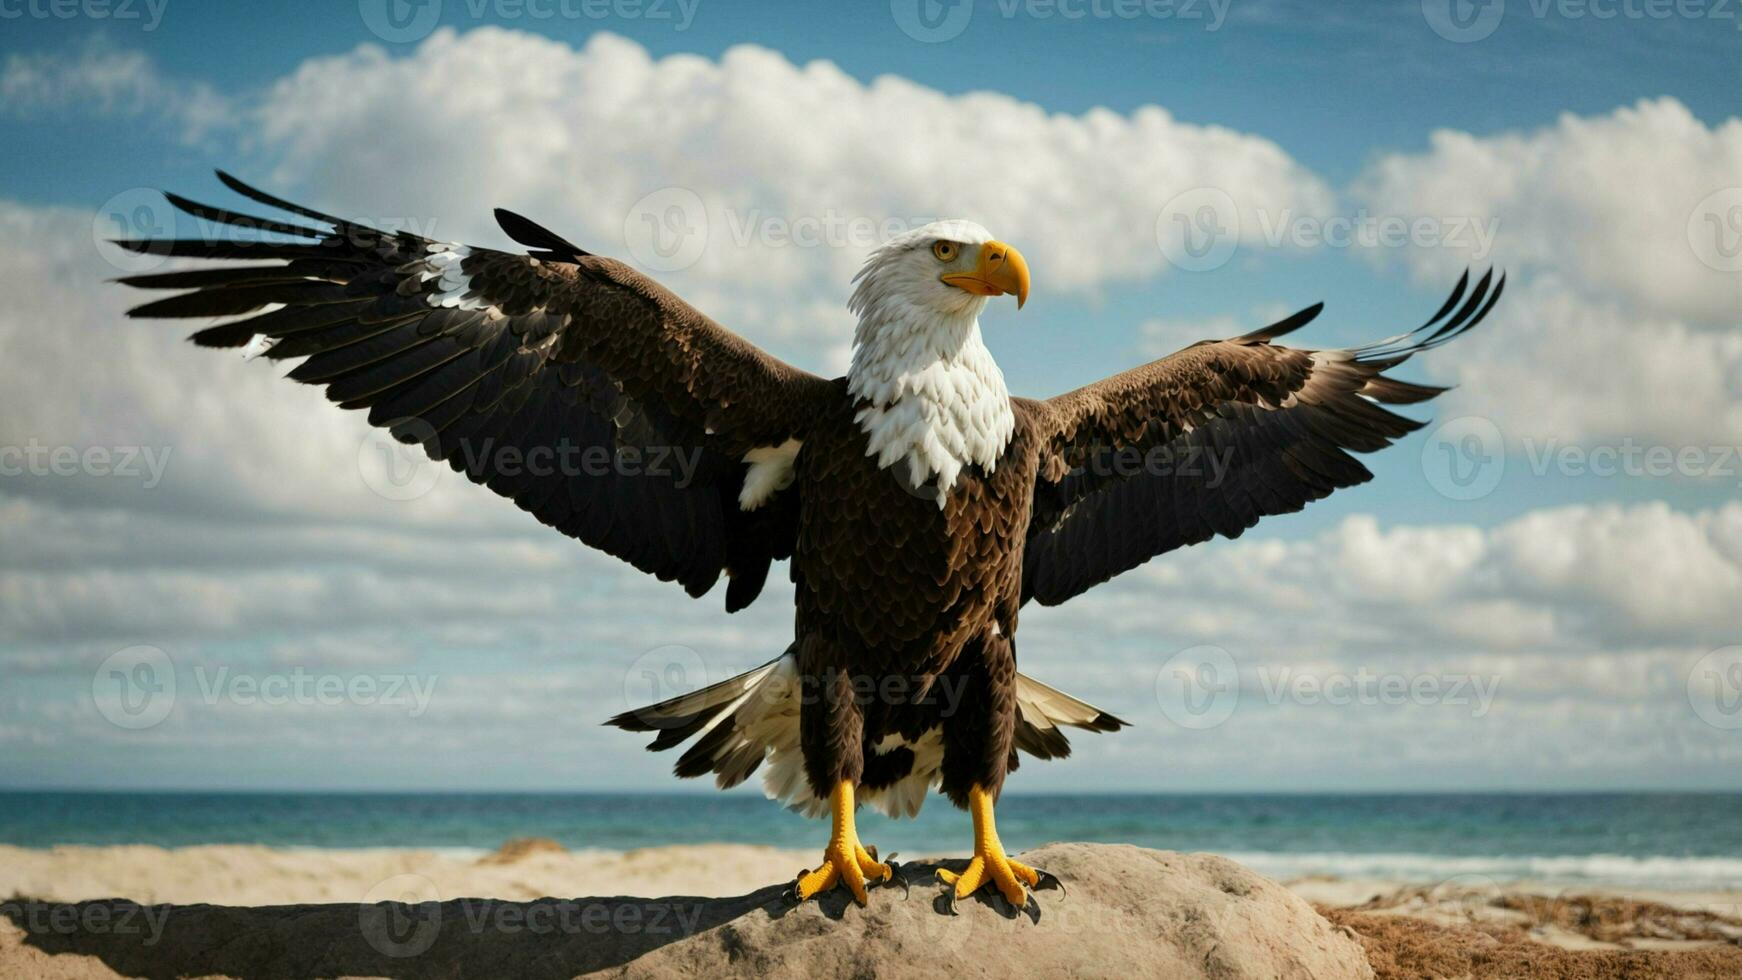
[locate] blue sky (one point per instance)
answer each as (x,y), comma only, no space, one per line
(1590,143)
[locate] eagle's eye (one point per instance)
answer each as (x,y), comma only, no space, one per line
(945,251)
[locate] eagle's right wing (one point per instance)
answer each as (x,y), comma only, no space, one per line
(1209,440)
(597,400)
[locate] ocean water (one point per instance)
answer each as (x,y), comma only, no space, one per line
(1677,841)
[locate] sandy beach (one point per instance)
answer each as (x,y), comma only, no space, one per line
(1467,926)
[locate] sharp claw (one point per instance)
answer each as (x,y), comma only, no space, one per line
(1050,880)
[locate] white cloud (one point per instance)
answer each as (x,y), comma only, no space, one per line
(1583,623)
(1604,201)
(1555,367)
(231,437)
(108,81)
(1644,568)
(578,137)
(1602,576)
(1622,320)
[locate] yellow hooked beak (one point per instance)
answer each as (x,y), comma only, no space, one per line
(1001,269)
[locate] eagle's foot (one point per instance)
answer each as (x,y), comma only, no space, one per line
(845,859)
(990,865)
(852,863)
(1011,877)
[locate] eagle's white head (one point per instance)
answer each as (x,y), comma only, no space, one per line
(944,271)
(931,394)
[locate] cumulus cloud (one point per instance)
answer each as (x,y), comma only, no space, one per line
(179,429)
(763,150)
(1574,630)
(108,81)
(1623,315)
(1604,201)
(1558,367)
(1597,573)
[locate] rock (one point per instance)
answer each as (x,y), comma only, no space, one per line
(521,847)
(1129,912)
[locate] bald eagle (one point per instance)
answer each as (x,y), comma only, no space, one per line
(920,504)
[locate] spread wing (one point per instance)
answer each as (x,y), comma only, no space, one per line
(1206,441)
(598,401)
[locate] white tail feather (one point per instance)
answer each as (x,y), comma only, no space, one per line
(753,718)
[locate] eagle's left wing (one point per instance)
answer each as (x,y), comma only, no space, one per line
(587,393)
(1206,441)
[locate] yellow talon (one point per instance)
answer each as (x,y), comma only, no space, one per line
(845,859)
(990,865)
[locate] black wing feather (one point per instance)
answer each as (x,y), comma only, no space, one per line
(467,382)
(1282,439)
